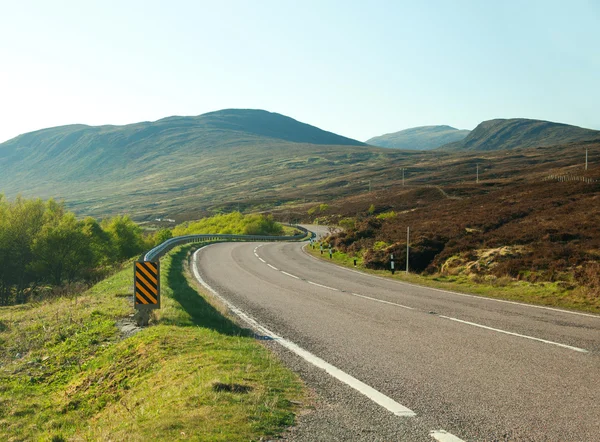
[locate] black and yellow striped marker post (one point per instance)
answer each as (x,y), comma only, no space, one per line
(146,285)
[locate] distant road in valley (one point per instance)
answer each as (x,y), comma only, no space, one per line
(401,362)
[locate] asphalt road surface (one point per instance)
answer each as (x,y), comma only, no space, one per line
(393,361)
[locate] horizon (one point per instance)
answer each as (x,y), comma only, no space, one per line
(361,72)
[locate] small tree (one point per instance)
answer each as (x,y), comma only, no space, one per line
(62,251)
(162,235)
(126,237)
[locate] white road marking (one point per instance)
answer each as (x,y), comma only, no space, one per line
(581,350)
(262,259)
(377,397)
(589,315)
(289,274)
(337,290)
(324,286)
(381,300)
(273,267)
(444,436)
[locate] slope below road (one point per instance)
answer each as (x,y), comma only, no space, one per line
(478,368)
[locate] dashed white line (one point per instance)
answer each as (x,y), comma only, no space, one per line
(324,286)
(337,290)
(382,301)
(444,436)
(273,267)
(289,274)
(376,396)
(581,350)
(483,298)
(558,344)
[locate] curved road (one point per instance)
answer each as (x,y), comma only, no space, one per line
(413,363)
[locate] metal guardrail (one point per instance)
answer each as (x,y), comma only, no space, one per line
(164,247)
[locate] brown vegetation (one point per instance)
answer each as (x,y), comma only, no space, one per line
(520,227)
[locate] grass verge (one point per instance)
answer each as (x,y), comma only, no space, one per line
(67,373)
(543,293)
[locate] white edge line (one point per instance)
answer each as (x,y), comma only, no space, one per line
(543,307)
(382,301)
(581,350)
(262,259)
(289,274)
(273,267)
(444,436)
(377,397)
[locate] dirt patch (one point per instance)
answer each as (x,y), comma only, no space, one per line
(128,327)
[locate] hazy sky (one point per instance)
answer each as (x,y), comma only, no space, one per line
(357,68)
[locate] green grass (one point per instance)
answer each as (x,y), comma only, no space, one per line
(67,374)
(544,293)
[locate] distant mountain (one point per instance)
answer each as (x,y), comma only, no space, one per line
(174,162)
(521,132)
(419,138)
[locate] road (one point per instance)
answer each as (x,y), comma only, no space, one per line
(412,363)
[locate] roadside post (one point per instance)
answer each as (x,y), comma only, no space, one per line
(354,262)
(321,249)
(407,246)
(392,263)
(146,289)
(330,253)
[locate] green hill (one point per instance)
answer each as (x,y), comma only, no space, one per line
(520,132)
(419,138)
(178,163)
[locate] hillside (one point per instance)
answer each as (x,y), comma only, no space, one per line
(514,228)
(520,132)
(177,163)
(419,138)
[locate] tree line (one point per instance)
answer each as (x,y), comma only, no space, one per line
(43,245)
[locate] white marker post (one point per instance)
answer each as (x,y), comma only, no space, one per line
(392,263)
(407,246)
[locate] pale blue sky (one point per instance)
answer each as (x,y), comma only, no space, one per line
(359,69)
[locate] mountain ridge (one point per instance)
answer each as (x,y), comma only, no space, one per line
(511,133)
(255,121)
(419,138)
(107,169)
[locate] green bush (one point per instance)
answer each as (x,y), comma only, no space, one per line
(232,223)
(42,244)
